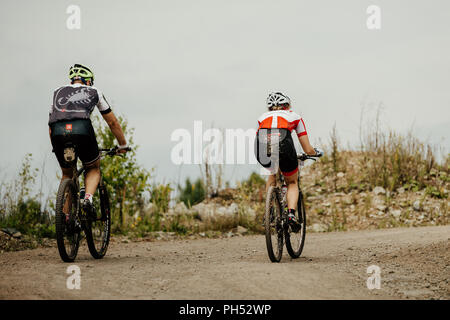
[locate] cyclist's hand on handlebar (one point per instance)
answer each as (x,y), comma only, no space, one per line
(123,149)
(319,152)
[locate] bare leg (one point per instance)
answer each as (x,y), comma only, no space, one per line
(92,177)
(292,191)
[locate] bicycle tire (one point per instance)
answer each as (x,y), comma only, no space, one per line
(66,228)
(296,251)
(98,249)
(273,224)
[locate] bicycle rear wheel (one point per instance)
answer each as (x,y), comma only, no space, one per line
(98,231)
(68,231)
(295,239)
(273,225)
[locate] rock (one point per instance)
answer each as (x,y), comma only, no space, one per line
(202,210)
(229,234)
(213,212)
(180,208)
(396,213)
(381,207)
(241,230)
(12,232)
(378,201)
(319,227)
(326,204)
(17,235)
(416,205)
(231,210)
(340,174)
(379,190)
(348,201)
(161,235)
(401,190)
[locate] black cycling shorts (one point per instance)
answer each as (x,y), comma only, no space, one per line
(274,148)
(80,134)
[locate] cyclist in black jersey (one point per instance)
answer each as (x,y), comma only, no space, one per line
(69,122)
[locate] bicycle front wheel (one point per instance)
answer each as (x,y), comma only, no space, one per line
(67,225)
(295,239)
(273,225)
(98,230)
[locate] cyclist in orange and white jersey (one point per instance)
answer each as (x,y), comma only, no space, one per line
(275,147)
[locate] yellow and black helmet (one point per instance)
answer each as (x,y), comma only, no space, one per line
(80,72)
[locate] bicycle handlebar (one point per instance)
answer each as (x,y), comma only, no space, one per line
(114,151)
(304,156)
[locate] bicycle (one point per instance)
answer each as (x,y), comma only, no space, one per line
(70,218)
(275,218)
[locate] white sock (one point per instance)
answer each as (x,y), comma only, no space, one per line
(89,197)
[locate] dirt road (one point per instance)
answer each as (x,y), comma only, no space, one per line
(414,263)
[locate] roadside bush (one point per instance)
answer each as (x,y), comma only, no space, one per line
(192,194)
(128,183)
(19,206)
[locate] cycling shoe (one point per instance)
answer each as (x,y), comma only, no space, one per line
(293,222)
(89,210)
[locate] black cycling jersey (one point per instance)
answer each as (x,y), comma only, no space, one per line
(76,101)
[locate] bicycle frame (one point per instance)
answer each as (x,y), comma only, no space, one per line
(76,173)
(280,181)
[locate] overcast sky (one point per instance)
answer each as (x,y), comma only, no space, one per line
(164,64)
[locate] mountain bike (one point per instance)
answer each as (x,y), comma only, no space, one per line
(70,217)
(277,228)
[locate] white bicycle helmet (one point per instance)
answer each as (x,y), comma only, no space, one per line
(277,98)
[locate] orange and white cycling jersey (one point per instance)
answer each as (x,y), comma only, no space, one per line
(282,119)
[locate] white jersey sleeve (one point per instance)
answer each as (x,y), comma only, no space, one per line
(300,127)
(102,105)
